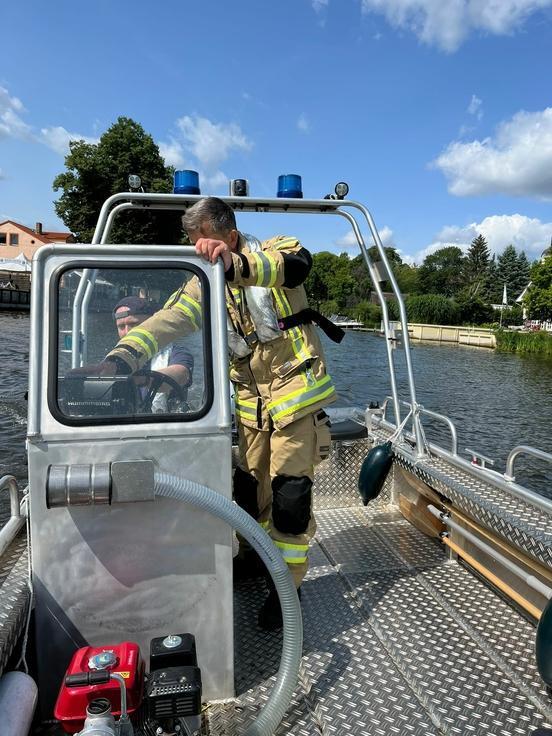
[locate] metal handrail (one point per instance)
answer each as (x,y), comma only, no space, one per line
(523,450)
(531,580)
(422,410)
(10,530)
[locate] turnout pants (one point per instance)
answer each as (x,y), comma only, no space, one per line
(274,483)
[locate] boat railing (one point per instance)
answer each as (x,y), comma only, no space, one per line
(17,513)
(157,201)
(524,450)
(500,480)
(428,412)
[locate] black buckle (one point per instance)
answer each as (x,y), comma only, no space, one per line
(252,338)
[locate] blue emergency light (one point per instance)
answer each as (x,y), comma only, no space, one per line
(186,181)
(289,185)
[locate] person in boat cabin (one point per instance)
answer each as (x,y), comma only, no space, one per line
(278,370)
(174,360)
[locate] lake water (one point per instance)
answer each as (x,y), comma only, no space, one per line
(496,400)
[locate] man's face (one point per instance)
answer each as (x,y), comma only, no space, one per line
(126,323)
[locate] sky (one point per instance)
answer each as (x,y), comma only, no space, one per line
(438,113)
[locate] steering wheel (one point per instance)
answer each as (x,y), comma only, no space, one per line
(157,379)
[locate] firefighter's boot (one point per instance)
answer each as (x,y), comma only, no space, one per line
(270,615)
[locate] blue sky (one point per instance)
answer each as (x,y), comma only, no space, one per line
(437,112)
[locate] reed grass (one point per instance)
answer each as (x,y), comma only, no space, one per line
(524,343)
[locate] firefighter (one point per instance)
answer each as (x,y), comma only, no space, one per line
(278,372)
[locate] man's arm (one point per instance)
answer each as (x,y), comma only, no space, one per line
(181,315)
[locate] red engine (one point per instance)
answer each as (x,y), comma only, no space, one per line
(123,659)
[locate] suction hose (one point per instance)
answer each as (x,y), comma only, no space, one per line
(181,489)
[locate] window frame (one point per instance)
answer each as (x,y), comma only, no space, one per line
(135,419)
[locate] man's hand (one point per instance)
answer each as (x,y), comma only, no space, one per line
(107,368)
(211,249)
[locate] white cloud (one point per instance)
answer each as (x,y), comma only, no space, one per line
(525,233)
(211,143)
(303,123)
(447,23)
(203,145)
(173,153)
(57,138)
(2,175)
(11,123)
(319,5)
(474,108)
(517,161)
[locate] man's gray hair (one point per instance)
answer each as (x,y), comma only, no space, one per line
(210,211)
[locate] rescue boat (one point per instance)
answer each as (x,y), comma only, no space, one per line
(426,609)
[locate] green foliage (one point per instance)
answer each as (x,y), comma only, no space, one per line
(511,316)
(512,269)
(369,314)
(538,299)
(330,279)
(472,309)
(95,171)
(524,343)
(432,309)
(476,268)
(442,272)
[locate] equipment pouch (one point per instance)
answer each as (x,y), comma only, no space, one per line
(322,439)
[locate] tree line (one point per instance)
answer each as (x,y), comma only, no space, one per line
(449,287)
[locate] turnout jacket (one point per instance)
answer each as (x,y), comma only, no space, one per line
(280,380)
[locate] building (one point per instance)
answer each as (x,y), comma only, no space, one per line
(16,239)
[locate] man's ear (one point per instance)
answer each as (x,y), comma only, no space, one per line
(233,239)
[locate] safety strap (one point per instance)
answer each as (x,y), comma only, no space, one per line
(306,317)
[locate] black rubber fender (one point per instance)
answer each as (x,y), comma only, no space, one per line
(543,644)
(374,470)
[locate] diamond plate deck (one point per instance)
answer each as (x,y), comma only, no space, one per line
(398,640)
(14,596)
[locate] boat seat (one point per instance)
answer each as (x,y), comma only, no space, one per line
(348,429)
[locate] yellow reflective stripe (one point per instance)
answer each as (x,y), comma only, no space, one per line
(237,295)
(293,554)
(273,275)
(144,338)
(301,398)
(188,312)
(284,306)
(266,269)
(195,306)
(245,408)
(285,243)
(264,524)
(170,299)
(298,344)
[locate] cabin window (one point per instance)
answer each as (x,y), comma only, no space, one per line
(14,239)
(3,238)
(174,382)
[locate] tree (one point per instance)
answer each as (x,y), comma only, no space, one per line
(477,267)
(95,171)
(538,299)
(330,283)
(442,272)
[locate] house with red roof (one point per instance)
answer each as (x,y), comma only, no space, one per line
(16,239)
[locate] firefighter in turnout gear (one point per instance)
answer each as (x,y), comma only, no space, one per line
(277,369)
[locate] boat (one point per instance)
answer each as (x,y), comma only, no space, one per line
(426,609)
(346,323)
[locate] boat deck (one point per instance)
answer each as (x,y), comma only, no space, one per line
(399,639)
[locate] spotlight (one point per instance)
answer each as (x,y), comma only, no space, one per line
(341,189)
(134,182)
